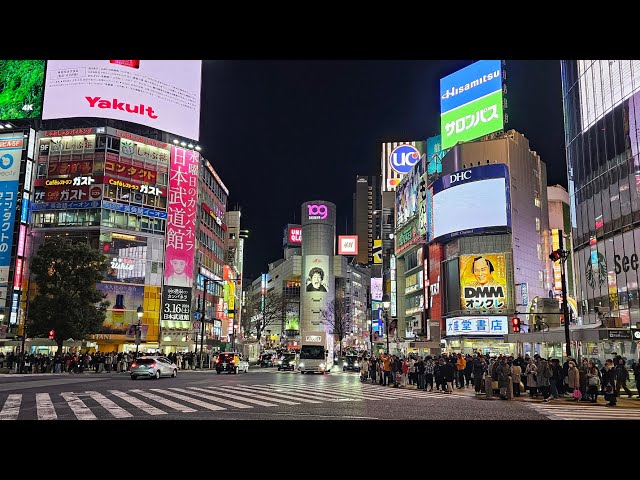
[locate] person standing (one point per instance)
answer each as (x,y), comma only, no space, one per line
(516,371)
(461,363)
(555,381)
(429,367)
(468,370)
(503,371)
(386,368)
(593,382)
(543,378)
(636,375)
(531,373)
(609,383)
(573,377)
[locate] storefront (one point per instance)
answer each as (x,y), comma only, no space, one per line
(484,334)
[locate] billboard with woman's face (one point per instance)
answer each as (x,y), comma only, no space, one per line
(317,273)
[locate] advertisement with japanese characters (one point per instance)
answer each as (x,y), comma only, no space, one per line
(176,304)
(483,282)
(181,225)
(10,160)
(162,94)
(477,326)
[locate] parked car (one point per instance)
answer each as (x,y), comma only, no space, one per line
(287,362)
(153,367)
(231,362)
(351,362)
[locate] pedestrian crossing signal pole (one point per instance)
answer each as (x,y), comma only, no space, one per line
(562,255)
(139,312)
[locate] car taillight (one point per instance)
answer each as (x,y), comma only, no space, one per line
(134,365)
(219,360)
(233,361)
(153,365)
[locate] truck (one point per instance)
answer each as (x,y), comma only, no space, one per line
(313,353)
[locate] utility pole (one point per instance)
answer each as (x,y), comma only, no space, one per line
(203,319)
(565,303)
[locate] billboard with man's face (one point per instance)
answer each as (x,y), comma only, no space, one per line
(483,282)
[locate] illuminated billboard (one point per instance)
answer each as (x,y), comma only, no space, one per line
(376,289)
(347,244)
(181,225)
(377,252)
(162,94)
(398,158)
(483,282)
(317,274)
(497,325)
(471,102)
(471,201)
(292,236)
(435,154)
(21,86)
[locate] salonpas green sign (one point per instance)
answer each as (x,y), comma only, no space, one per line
(472,120)
(407,237)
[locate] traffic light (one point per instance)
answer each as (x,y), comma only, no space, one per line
(515,325)
(555,255)
(52,334)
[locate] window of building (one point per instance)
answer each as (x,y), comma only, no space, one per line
(537,224)
(539,248)
(541,278)
(536,199)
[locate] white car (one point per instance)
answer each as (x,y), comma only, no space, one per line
(153,367)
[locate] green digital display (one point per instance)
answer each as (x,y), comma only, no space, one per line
(21,88)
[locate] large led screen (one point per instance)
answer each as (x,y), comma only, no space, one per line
(21,84)
(471,201)
(471,102)
(162,94)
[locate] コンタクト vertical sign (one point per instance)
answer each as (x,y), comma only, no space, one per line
(471,102)
(181,227)
(10,160)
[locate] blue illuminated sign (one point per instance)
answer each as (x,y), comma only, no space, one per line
(24,214)
(146,212)
(466,85)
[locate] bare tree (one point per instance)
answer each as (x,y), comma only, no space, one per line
(337,316)
(267,314)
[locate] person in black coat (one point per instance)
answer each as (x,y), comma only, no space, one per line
(609,383)
(449,372)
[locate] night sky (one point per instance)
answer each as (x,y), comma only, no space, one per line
(280,133)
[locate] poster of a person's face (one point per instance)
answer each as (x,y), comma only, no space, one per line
(483,282)
(178,272)
(317,268)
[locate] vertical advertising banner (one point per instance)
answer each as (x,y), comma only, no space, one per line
(471,102)
(176,304)
(10,158)
(483,282)
(377,252)
(376,289)
(317,273)
(436,254)
(181,224)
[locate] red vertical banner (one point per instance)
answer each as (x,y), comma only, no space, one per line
(436,253)
(181,216)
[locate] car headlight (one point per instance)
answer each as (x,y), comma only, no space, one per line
(356,365)
(321,365)
(301,365)
(280,362)
(344,364)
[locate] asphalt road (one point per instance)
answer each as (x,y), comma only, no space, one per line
(262,394)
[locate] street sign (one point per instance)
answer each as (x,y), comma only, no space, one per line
(197,315)
(196,326)
(619,334)
(636,334)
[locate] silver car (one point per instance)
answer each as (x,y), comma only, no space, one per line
(155,367)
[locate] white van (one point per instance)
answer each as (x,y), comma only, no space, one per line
(313,354)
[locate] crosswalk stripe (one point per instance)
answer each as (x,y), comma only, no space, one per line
(109,405)
(184,398)
(329,390)
(275,397)
(78,407)
(396,392)
(136,402)
(220,391)
(11,407)
(374,392)
(312,393)
(212,398)
(302,397)
(164,401)
(586,413)
(45,407)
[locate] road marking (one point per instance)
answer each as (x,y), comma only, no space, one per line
(220,391)
(320,393)
(136,402)
(211,397)
(11,407)
(164,401)
(270,396)
(345,391)
(78,407)
(188,399)
(585,412)
(303,397)
(109,405)
(45,407)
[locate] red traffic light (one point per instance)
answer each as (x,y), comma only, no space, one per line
(515,325)
(52,334)
(555,255)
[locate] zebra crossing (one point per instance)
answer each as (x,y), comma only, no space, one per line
(575,411)
(136,403)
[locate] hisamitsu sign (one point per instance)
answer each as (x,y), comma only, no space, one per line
(487,325)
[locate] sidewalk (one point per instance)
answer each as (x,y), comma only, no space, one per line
(4,372)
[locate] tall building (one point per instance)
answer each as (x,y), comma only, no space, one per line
(367,205)
(602,116)
(489,214)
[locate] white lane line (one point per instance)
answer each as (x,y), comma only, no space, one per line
(343,391)
(11,407)
(184,398)
(329,395)
(302,397)
(398,392)
(242,398)
(45,407)
(109,405)
(211,397)
(164,401)
(274,397)
(78,407)
(136,402)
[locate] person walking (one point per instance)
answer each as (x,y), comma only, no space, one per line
(622,375)
(573,377)
(461,364)
(609,383)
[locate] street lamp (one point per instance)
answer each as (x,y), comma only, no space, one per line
(140,312)
(385,306)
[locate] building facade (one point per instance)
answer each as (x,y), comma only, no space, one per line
(367,204)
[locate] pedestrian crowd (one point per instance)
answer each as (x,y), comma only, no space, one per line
(537,376)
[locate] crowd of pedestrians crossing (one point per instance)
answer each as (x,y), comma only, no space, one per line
(537,376)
